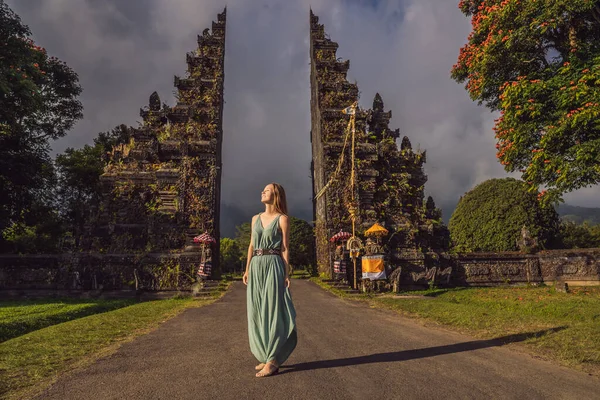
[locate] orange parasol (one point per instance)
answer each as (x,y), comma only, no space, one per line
(376,230)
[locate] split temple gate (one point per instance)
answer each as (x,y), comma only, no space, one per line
(163,188)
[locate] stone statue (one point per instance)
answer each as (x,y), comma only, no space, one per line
(395,279)
(526,243)
(76,284)
(371,247)
(208,254)
(339,252)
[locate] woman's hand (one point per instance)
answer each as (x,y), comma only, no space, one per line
(287,282)
(245,278)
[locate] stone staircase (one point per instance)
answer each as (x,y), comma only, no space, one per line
(209,289)
(341,285)
(300,274)
(167,201)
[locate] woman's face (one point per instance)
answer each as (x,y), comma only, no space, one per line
(267,196)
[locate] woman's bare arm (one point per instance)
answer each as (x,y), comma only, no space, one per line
(250,247)
(285,250)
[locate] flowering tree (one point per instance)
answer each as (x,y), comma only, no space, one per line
(538,63)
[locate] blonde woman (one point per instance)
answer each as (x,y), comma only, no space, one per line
(271,313)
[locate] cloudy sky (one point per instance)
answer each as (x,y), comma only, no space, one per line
(403,49)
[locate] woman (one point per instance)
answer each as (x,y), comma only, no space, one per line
(271,313)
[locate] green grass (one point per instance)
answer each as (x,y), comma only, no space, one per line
(24,316)
(300,274)
(564,327)
(32,361)
(232,275)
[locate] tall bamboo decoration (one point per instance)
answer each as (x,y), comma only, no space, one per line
(354,244)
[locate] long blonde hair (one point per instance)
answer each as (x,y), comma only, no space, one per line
(280,202)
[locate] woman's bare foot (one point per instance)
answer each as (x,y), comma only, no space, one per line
(268,370)
(259,366)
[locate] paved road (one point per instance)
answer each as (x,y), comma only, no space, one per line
(345,351)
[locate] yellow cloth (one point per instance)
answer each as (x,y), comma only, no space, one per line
(372,264)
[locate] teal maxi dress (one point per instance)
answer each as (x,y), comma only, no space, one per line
(271,313)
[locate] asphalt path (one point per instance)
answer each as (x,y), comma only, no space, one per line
(346,350)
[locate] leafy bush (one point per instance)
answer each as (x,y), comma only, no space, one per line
(579,236)
(490,217)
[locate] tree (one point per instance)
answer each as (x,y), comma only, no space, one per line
(580,236)
(302,245)
(79,173)
(490,217)
(39,231)
(79,190)
(230,255)
(242,239)
(538,63)
(38,103)
(302,242)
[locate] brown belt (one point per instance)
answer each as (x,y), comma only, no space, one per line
(266,252)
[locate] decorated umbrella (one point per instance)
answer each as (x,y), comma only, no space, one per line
(339,266)
(376,230)
(341,235)
(205,267)
(204,238)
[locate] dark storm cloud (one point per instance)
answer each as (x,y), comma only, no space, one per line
(124,50)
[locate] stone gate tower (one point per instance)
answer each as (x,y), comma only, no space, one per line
(390,180)
(163,187)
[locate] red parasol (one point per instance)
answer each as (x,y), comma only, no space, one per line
(204,238)
(341,235)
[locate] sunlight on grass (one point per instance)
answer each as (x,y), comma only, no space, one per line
(24,316)
(499,312)
(30,361)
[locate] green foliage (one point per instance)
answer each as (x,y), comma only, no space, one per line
(230,255)
(538,63)
(242,239)
(38,103)
(581,236)
(302,243)
(39,231)
(490,217)
(79,173)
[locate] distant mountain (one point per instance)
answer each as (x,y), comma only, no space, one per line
(579,215)
(232,215)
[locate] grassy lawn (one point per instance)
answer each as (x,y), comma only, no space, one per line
(564,327)
(32,361)
(24,316)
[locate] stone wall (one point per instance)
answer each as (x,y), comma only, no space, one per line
(156,272)
(101,272)
(491,269)
(579,267)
